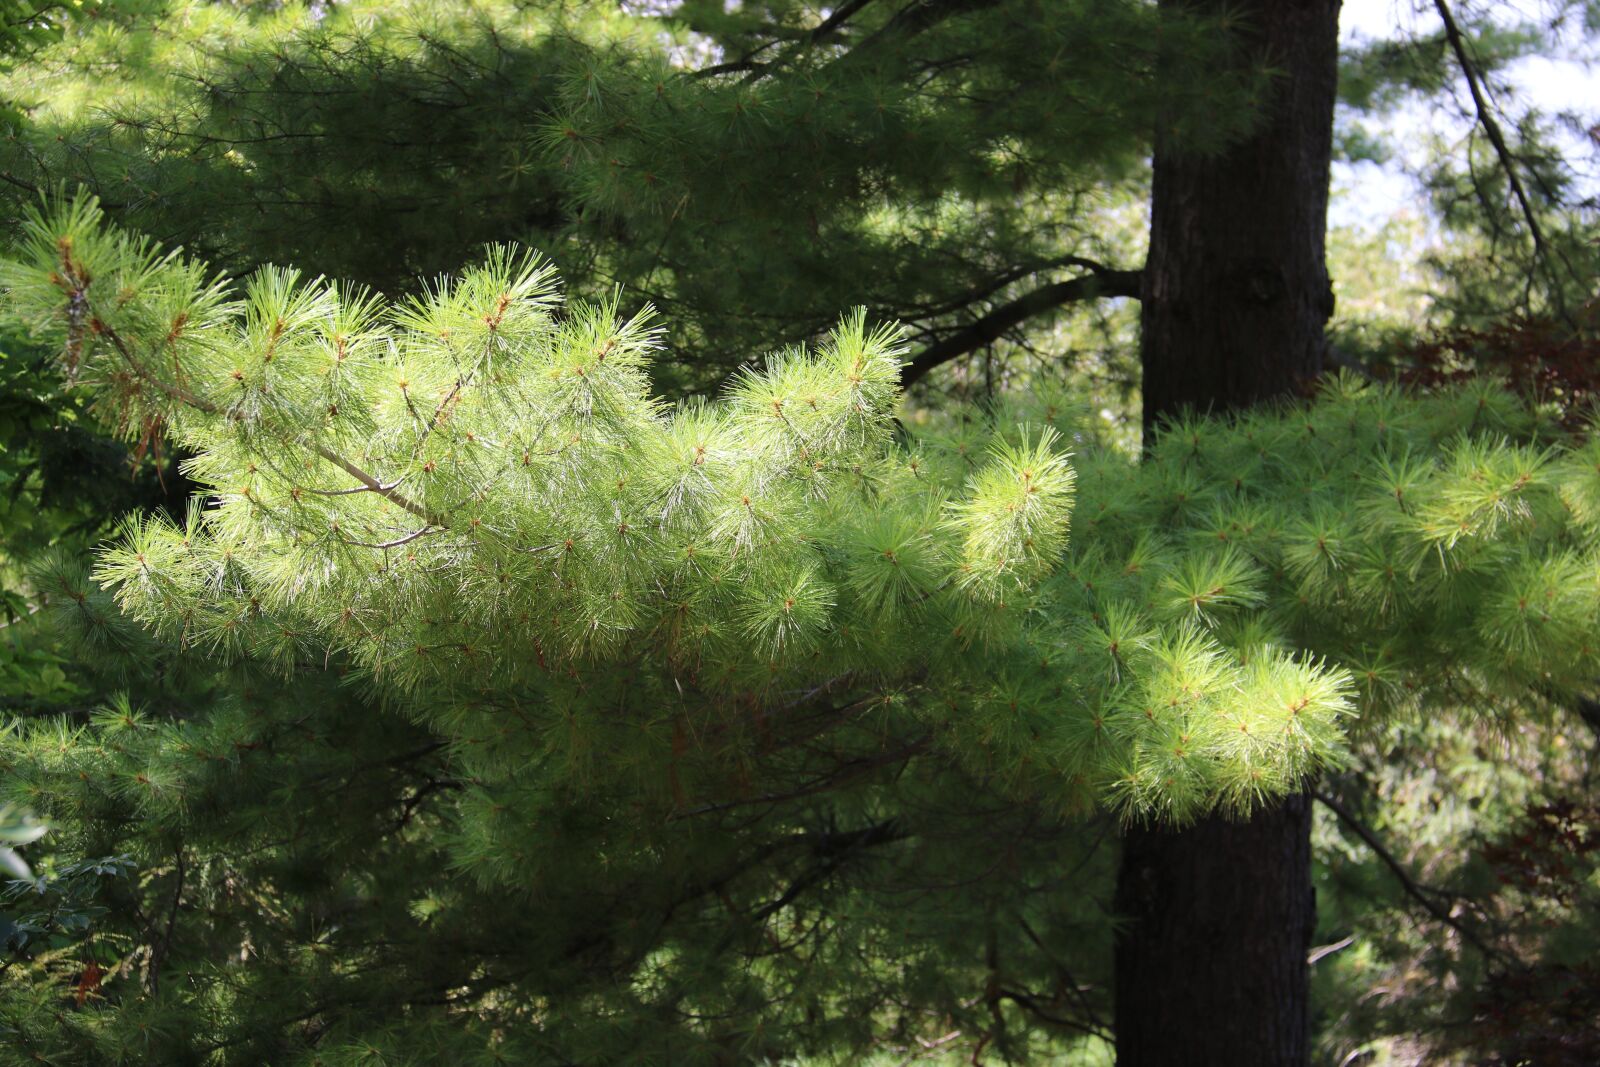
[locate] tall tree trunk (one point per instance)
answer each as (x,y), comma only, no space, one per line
(1211,966)
(1236,290)
(1211,961)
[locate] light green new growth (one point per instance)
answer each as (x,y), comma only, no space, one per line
(473,499)
(476,486)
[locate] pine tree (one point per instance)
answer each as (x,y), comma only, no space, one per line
(342,116)
(636,689)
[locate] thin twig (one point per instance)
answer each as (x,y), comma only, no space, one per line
(1415,890)
(158,956)
(397,542)
(849,773)
(1491,128)
(199,403)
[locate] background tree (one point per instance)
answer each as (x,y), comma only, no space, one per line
(927,169)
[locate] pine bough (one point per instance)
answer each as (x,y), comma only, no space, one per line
(472,500)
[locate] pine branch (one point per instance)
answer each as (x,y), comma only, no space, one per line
(1423,895)
(159,950)
(1491,129)
(774,551)
(904,25)
(1031,1003)
(1104,282)
(1096,1023)
(832,850)
(993,284)
(824,30)
(832,24)
(372,484)
(918,18)
(184,396)
(846,774)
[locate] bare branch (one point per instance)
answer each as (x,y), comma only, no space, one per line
(1491,129)
(1423,895)
(988,329)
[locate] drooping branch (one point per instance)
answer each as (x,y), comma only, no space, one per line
(830,25)
(1497,140)
(1032,1004)
(846,774)
(748,62)
(1418,892)
(991,327)
(919,17)
(832,850)
(907,23)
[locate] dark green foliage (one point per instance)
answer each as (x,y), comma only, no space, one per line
(926,167)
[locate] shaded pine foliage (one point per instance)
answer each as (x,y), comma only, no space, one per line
(936,162)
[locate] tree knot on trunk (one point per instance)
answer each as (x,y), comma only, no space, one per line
(1261,281)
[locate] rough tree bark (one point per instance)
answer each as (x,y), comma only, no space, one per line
(1235,289)
(1211,968)
(1211,962)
